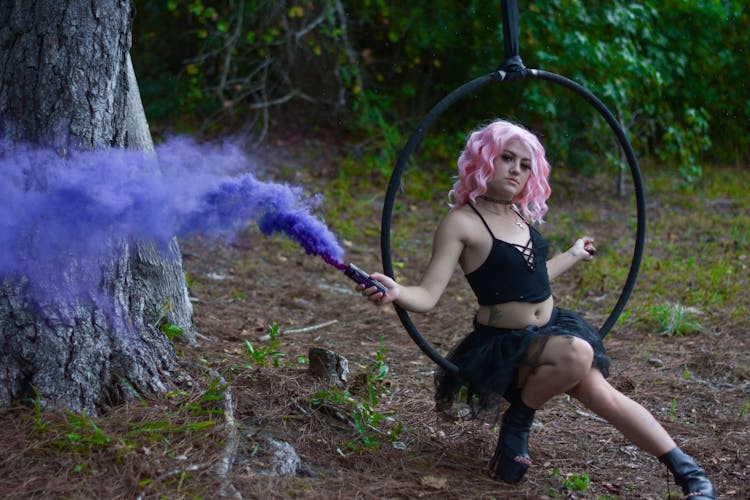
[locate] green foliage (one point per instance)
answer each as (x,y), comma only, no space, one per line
(208,402)
(571,482)
(268,355)
(170,330)
(366,419)
(673,408)
(81,435)
(188,413)
(675,319)
(637,63)
(39,424)
(671,71)
(577,482)
(78,435)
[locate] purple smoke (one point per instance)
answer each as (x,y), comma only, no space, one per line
(59,216)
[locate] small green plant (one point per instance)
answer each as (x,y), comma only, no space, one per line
(78,435)
(365,417)
(261,356)
(577,482)
(675,319)
(170,330)
(673,408)
(207,402)
(81,435)
(572,482)
(743,410)
(159,428)
(378,374)
(39,424)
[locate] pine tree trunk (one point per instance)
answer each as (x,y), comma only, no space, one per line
(66,83)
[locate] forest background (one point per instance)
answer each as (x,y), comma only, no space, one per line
(673,72)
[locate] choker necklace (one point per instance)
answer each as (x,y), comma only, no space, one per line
(496,200)
(518,221)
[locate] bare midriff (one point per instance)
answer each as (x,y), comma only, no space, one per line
(516,315)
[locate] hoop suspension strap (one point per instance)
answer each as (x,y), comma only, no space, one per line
(513,60)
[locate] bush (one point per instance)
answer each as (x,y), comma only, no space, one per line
(670,71)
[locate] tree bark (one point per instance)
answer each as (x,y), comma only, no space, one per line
(66,83)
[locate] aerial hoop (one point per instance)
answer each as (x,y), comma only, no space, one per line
(512,69)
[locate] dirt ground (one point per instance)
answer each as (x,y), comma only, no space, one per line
(244,287)
(697,386)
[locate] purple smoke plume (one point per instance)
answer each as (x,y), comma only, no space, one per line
(59,215)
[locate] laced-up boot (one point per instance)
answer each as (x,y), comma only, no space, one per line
(688,475)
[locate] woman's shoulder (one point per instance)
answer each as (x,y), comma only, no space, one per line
(460,221)
(459,215)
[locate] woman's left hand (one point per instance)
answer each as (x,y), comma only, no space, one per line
(584,248)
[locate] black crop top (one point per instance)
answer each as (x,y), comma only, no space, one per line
(512,273)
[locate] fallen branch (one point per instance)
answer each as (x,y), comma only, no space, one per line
(311,328)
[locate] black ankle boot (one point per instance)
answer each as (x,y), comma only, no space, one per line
(691,478)
(511,458)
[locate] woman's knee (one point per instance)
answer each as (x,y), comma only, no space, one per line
(574,357)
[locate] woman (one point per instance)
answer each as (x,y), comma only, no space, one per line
(522,346)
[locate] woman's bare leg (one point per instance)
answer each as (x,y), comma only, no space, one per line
(634,421)
(640,427)
(565,365)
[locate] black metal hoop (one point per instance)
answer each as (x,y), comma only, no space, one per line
(516,71)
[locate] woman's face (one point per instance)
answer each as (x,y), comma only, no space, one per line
(512,171)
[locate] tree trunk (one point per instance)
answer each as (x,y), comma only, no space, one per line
(66,83)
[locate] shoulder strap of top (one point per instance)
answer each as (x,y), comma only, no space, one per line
(482,219)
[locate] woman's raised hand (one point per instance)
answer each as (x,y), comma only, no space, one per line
(584,248)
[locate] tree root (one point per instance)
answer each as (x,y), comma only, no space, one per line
(232,441)
(224,464)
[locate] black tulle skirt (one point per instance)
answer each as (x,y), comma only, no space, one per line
(488,360)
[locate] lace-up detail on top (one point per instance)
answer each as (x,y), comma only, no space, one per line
(512,272)
(527,251)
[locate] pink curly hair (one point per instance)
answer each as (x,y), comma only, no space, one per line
(476,168)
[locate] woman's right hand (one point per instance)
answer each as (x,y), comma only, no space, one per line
(376,296)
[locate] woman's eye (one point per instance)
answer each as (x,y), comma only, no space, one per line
(507,157)
(525,166)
